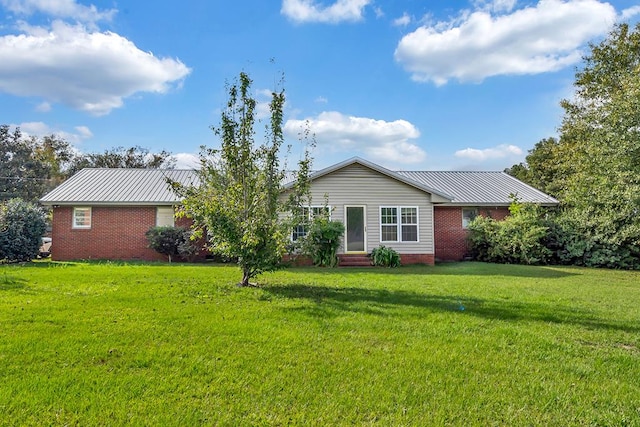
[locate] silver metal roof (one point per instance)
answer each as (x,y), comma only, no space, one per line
(119,187)
(149,186)
(479,188)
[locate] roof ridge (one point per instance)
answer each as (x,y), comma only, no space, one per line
(140,169)
(441,171)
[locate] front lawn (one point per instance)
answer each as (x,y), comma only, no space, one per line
(458,344)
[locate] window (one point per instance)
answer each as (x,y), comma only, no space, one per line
(164,216)
(389,224)
(409,223)
(398,228)
(309,213)
(81,218)
(468,215)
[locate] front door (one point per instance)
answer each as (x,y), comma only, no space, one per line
(356,232)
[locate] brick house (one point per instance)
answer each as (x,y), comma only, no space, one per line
(104,213)
(423,215)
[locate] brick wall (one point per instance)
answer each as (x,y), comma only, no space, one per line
(450,237)
(116,233)
(407,259)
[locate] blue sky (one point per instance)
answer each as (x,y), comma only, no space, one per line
(407,84)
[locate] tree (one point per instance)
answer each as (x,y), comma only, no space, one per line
(600,136)
(22,226)
(543,167)
(58,156)
(32,166)
(239,199)
(120,157)
(22,174)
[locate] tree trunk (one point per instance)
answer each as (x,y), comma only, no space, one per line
(246,275)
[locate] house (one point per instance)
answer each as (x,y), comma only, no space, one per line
(423,215)
(104,213)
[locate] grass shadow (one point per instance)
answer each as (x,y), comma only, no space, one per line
(329,302)
(454,269)
(11,283)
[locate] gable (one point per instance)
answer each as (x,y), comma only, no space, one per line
(375,171)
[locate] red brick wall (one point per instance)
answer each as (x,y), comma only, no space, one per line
(116,233)
(450,237)
(407,259)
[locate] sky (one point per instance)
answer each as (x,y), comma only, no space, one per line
(407,84)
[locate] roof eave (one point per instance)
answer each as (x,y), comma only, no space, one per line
(501,204)
(109,204)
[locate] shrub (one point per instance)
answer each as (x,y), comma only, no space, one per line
(322,241)
(383,256)
(570,245)
(22,225)
(170,241)
(520,238)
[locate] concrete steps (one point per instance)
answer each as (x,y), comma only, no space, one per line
(354,261)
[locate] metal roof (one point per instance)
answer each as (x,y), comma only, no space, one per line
(149,186)
(106,186)
(479,188)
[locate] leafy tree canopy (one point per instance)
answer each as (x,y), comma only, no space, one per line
(29,167)
(239,200)
(601,141)
(32,166)
(121,157)
(594,167)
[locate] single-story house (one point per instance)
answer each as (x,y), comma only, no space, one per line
(104,213)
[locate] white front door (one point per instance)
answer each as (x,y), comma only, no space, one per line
(356,229)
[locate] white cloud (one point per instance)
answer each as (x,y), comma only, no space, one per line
(381,140)
(403,21)
(89,71)
(40,129)
(499,152)
(321,100)
(302,11)
(629,13)
(59,9)
(495,5)
(43,107)
(84,132)
(543,38)
(187,161)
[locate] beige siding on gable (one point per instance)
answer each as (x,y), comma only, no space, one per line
(356,185)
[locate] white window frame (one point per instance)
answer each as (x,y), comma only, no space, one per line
(399,224)
(75,217)
(465,219)
(158,216)
(295,234)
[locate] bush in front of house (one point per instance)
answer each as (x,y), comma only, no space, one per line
(172,242)
(384,256)
(521,238)
(322,241)
(22,225)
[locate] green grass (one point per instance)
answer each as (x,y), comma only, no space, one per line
(459,344)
